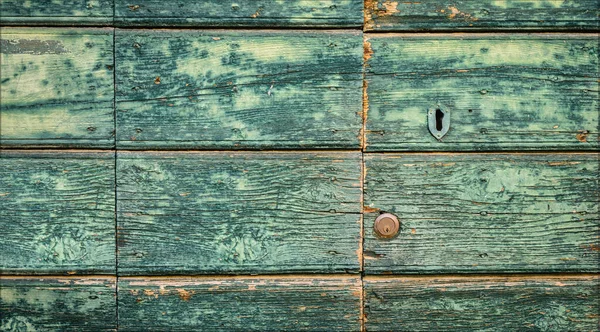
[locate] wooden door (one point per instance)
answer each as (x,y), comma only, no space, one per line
(222,166)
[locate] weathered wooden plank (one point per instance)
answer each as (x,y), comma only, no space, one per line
(57,87)
(319,303)
(457,15)
(56,12)
(57,212)
(238,89)
(484,213)
(197,213)
(250,13)
(503,91)
(57,304)
(537,303)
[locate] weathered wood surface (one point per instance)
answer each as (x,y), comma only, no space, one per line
(250,13)
(57,304)
(56,12)
(243,89)
(198,213)
(503,91)
(57,212)
(523,303)
(457,15)
(483,213)
(319,303)
(57,87)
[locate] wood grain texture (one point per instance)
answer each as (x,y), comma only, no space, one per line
(249,13)
(57,87)
(503,91)
(198,213)
(238,89)
(459,15)
(57,304)
(239,304)
(537,303)
(57,212)
(478,213)
(56,12)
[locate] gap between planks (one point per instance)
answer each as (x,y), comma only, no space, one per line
(491,277)
(480,32)
(108,152)
(436,33)
(341,277)
(114,134)
(332,276)
(363,170)
(282,30)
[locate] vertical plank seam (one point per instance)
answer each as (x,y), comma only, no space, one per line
(365,105)
(115,172)
(0,91)
(361,242)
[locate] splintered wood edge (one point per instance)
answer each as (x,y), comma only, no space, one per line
(304,277)
(236,32)
(484,35)
(469,278)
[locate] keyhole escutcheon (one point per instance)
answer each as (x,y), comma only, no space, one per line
(438,121)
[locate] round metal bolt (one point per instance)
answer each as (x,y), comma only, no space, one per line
(386,226)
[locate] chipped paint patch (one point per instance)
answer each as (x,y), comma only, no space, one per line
(455,12)
(184,294)
(33,47)
(390,8)
(370,9)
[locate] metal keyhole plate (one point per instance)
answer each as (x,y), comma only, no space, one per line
(386,226)
(438,121)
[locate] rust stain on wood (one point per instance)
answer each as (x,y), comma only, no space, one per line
(184,295)
(368,52)
(369,209)
(582,136)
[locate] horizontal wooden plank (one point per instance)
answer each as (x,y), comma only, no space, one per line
(250,13)
(57,304)
(57,212)
(502,91)
(539,303)
(238,89)
(57,12)
(198,213)
(255,303)
(484,213)
(57,87)
(387,15)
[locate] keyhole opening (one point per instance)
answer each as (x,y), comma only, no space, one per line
(439,115)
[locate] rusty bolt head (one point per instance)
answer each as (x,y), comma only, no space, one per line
(386,226)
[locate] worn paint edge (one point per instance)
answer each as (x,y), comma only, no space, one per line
(234,153)
(486,35)
(57,153)
(479,277)
(238,32)
(482,153)
(338,277)
(36,30)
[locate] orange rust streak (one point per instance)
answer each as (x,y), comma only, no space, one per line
(368,209)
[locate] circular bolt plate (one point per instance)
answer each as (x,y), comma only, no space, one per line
(387,225)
